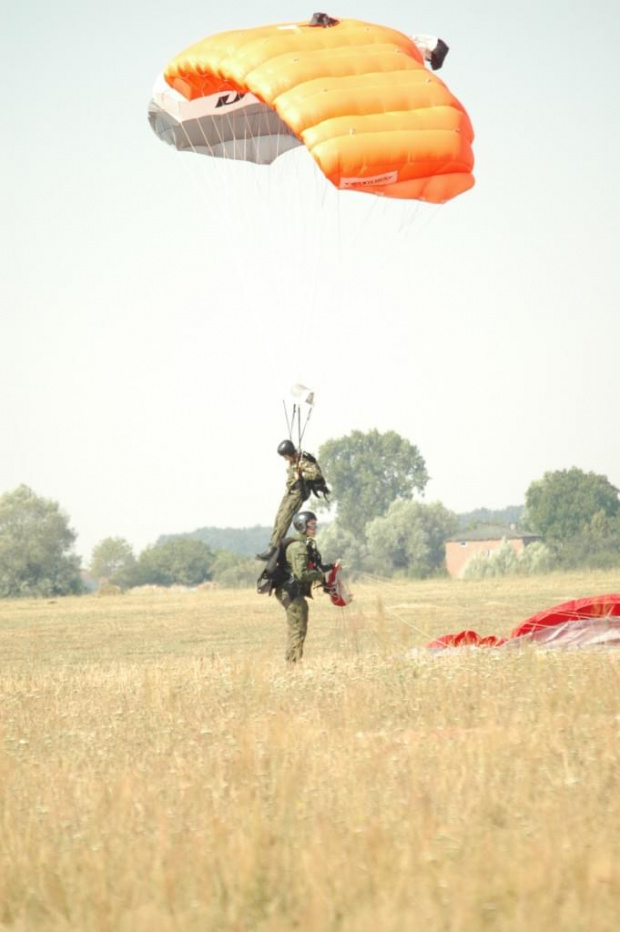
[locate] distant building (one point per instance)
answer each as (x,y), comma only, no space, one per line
(484,539)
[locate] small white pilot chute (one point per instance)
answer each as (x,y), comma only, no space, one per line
(433,49)
(303,394)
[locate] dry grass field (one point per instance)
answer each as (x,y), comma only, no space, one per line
(161,770)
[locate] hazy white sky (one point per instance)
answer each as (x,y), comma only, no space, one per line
(154,313)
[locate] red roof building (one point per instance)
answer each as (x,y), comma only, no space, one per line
(484,539)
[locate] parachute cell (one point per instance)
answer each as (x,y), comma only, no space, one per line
(358,96)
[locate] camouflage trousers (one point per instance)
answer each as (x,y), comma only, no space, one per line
(297,627)
(289,506)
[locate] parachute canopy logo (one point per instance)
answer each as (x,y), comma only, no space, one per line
(227,100)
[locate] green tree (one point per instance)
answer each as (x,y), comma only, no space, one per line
(563,504)
(182,560)
(233,571)
(597,546)
(536,559)
(36,545)
(369,471)
(243,540)
(410,538)
(336,543)
(113,559)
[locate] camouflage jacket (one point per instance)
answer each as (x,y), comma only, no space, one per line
(305,469)
(303,561)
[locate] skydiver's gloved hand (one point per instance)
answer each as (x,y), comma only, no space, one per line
(327,568)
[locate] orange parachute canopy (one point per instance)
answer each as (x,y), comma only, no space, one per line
(592,621)
(358,96)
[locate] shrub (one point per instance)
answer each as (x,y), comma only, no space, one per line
(534,559)
(232,571)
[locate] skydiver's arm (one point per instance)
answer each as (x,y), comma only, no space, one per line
(293,477)
(297,557)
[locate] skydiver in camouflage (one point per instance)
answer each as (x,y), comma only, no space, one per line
(303,479)
(302,568)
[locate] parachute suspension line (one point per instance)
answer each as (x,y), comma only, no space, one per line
(195,151)
(302,432)
(329,248)
(210,191)
(191,144)
(245,139)
(419,220)
(364,224)
(234,136)
(289,425)
(359,214)
(186,165)
(270,198)
(294,422)
(247,133)
(408,624)
(278,138)
(379,585)
(263,184)
(270,232)
(215,165)
(318,255)
(407,220)
(290,422)
(226,117)
(338,296)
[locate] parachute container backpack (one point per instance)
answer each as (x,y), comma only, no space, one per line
(357,95)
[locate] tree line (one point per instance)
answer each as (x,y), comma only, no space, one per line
(379,524)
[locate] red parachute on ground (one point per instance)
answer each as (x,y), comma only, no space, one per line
(588,622)
(337,588)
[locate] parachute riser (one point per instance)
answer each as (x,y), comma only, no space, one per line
(296,422)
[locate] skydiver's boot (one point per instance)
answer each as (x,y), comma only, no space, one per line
(267,554)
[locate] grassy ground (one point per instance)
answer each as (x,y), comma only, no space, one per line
(161,769)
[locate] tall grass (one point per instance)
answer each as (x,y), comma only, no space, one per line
(161,769)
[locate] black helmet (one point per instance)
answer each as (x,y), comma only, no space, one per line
(287,448)
(300,521)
